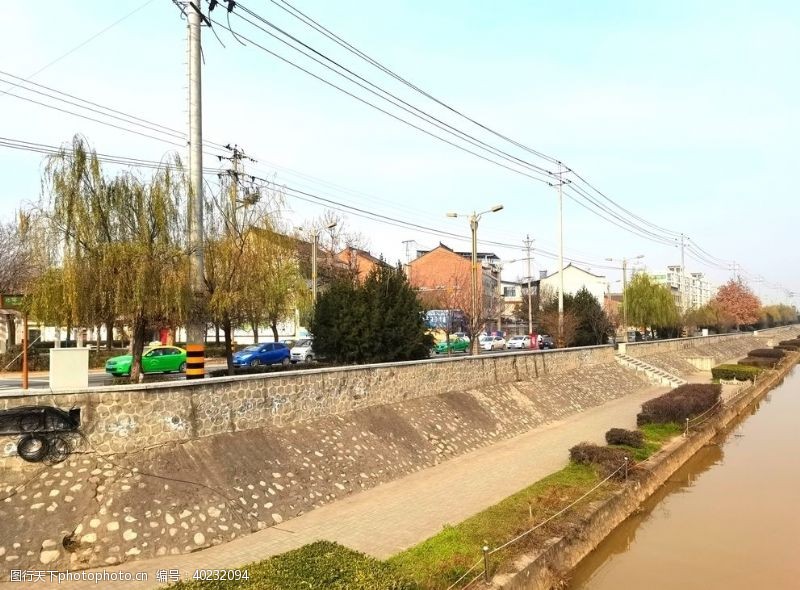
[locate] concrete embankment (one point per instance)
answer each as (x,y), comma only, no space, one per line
(551,566)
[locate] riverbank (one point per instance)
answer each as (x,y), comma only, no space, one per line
(550,567)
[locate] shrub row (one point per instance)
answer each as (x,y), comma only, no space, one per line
(682,402)
(621,436)
(608,459)
(769,353)
(738,372)
(790,347)
(792,342)
(764,363)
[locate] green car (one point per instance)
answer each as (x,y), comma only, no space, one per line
(160,359)
(456,345)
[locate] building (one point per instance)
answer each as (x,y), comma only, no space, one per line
(359,261)
(575,279)
(698,290)
(442,277)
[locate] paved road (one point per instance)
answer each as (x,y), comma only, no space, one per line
(97,378)
(391,517)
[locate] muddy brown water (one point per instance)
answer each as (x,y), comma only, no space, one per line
(729,518)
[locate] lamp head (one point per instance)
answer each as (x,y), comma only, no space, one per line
(496,208)
(451,214)
(331,225)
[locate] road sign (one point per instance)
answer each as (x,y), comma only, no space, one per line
(11,301)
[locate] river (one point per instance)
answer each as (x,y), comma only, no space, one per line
(729,518)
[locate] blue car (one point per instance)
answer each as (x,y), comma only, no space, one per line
(270,353)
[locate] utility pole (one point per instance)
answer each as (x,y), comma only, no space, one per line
(528,243)
(561,342)
(683,279)
(196,327)
(625,296)
(473,226)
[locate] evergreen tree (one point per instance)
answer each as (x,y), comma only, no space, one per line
(380,320)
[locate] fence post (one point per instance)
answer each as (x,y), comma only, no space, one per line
(486,563)
(686,432)
(626,469)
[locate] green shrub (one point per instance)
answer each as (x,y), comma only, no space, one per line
(764,363)
(769,353)
(629,438)
(738,372)
(608,459)
(682,402)
(319,565)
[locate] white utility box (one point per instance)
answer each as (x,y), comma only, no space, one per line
(69,368)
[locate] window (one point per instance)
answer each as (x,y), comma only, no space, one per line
(509,291)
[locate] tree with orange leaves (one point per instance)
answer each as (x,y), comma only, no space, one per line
(736,300)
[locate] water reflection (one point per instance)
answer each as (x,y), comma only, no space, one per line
(726,519)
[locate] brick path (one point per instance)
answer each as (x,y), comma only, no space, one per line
(391,517)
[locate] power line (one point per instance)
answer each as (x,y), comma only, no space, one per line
(74,49)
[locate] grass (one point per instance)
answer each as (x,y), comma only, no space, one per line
(319,566)
(655,435)
(441,560)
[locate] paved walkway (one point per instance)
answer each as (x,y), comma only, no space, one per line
(394,516)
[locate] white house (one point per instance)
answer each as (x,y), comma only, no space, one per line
(574,280)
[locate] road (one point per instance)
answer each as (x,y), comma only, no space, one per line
(97,378)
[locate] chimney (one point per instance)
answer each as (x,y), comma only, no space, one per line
(542,274)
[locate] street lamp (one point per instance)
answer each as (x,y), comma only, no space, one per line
(624,262)
(473,225)
(314,240)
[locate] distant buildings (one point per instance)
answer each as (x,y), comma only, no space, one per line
(575,279)
(697,288)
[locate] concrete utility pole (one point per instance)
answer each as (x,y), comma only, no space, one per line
(625,290)
(196,326)
(314,240)
(561,342)
(683,278)
(528,243)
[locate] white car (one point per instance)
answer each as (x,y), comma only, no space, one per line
(302,351)
(522,341)
(493,343)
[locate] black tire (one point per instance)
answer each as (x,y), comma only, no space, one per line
(60,448)
(182,368)
(309,358)
(255,363)
(285,362)
(33,448)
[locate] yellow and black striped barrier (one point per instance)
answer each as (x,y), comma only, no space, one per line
(195,361)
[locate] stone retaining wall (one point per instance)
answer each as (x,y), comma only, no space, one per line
(130,418)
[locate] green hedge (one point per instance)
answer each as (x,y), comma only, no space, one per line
(738,372)
(608,459)
(768,353)
(682,402)
(320,565)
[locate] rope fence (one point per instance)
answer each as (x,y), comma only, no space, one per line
(487,552)
(30,345)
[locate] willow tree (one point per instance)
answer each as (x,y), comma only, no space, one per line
(650,305)
(117,246)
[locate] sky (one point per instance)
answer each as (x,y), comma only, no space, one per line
(684,113)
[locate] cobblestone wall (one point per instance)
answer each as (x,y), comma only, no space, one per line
(131,418)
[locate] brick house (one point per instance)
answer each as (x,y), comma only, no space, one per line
(360,262)
(442,278)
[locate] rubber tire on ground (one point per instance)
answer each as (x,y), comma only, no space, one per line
(285,362)
(182,368)
(255,363)
(33,447)
(309,358)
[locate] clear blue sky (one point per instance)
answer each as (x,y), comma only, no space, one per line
(684,112)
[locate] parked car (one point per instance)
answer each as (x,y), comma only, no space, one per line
(156,359)
(455,345)
(270,353)
(521,341)
(493,343)
(302,351)
(546,342)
